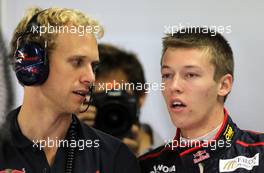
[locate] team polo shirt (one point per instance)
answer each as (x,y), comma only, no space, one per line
(101,153)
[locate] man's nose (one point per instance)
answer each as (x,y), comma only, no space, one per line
(88,75)
(177,84)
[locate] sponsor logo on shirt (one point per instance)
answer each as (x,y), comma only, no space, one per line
(200,156)
(163,169)
(229,132)
(12,171)
(229,165)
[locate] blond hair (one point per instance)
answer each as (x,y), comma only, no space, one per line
(55,17)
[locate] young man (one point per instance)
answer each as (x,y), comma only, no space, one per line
(197,70)
(55,66)
(121,67)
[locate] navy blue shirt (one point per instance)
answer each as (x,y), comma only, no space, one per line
(97,152)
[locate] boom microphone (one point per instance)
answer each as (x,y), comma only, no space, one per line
(88,98)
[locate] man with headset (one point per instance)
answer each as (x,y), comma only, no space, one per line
(55,53)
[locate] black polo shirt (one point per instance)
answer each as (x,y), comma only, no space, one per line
(97,152)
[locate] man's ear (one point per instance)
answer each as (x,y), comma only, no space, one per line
(142,99)
(225,84)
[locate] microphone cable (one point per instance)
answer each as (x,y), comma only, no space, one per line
(70,155)
(73,135)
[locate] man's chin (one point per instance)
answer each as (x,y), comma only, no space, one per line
(180,123)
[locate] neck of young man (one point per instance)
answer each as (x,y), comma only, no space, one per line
(38,121)
(210,123)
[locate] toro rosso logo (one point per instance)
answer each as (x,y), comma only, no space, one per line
(12,171)
(24,57)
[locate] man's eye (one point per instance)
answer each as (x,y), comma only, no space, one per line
(77,62)
(191,75)
(166,76)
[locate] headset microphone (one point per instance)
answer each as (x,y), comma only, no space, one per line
(88,98)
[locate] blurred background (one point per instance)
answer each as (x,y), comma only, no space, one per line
(138,26)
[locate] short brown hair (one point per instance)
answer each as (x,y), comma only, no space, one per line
(207,39)
(114,58)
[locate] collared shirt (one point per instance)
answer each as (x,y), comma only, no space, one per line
(96,151)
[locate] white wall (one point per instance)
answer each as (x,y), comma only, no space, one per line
(139,26)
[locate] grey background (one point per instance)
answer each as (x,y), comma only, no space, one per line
(1,13)
(139,26)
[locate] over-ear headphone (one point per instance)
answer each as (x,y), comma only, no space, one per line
(31,61)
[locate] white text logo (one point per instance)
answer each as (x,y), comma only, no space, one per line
(163,169)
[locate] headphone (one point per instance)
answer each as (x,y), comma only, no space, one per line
(31,61)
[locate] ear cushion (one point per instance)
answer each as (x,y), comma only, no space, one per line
(31,64)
